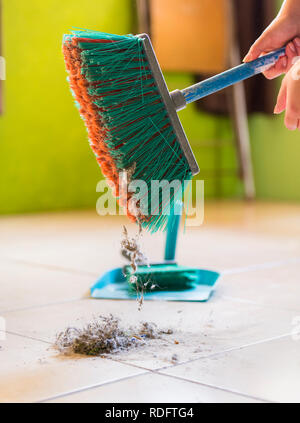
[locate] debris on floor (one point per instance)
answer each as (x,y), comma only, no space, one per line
(131,249)
(105,335)
(174,358)
(151,331)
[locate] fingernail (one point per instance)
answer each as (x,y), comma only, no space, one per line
(297,41)
(247,57)
(284,62)
(276,112)
(292,47)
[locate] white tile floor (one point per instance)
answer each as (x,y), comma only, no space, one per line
(240,346)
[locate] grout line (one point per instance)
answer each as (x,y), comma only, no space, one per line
(165,367)
(34,307)
(26,336)
(260,266)
(208,385)
(111,358)
(210,355)
(159,370)
(234,270)
(229,350)
(96,385)
(232,349)
(52,267)
(246,301)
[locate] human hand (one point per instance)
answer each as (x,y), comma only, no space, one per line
(279,33)
(289,97)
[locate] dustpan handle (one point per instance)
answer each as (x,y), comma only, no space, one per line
(172,233)
(225,79)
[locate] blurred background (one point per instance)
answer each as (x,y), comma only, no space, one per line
(45,159)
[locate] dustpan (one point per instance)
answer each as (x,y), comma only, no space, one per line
(172,281)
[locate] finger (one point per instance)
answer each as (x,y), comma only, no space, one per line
(278,69)
(297,45)
(299,124)
(257,48)
(292,113)
(290,121)
(281,98)
(291,53)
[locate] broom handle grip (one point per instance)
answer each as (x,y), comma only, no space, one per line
(231,76)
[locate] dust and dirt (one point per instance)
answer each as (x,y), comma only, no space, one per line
(105,335)
(132,250)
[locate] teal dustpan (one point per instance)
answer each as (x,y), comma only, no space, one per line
(165,281)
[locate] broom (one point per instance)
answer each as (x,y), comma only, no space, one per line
(131,116)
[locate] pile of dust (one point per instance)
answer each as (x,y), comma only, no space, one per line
(105,336)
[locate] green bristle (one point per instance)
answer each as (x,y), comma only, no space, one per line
(139,127)
(163,277)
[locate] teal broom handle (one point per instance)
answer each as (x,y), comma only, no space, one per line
(227,78)
(172,234)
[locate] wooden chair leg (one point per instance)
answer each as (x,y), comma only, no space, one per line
(237,100)
(239,119)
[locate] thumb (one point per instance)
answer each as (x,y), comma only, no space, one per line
(275,36)
(260,46)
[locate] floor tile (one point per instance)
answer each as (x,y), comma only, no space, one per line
(81,241)
(23,285)
(276,286)
(31,371)
(223,249)
(269,370)
(86,242)
(199,329)
(48,261)
(153,388)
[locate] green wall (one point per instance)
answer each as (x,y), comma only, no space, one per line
(45,159)
(276,157)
